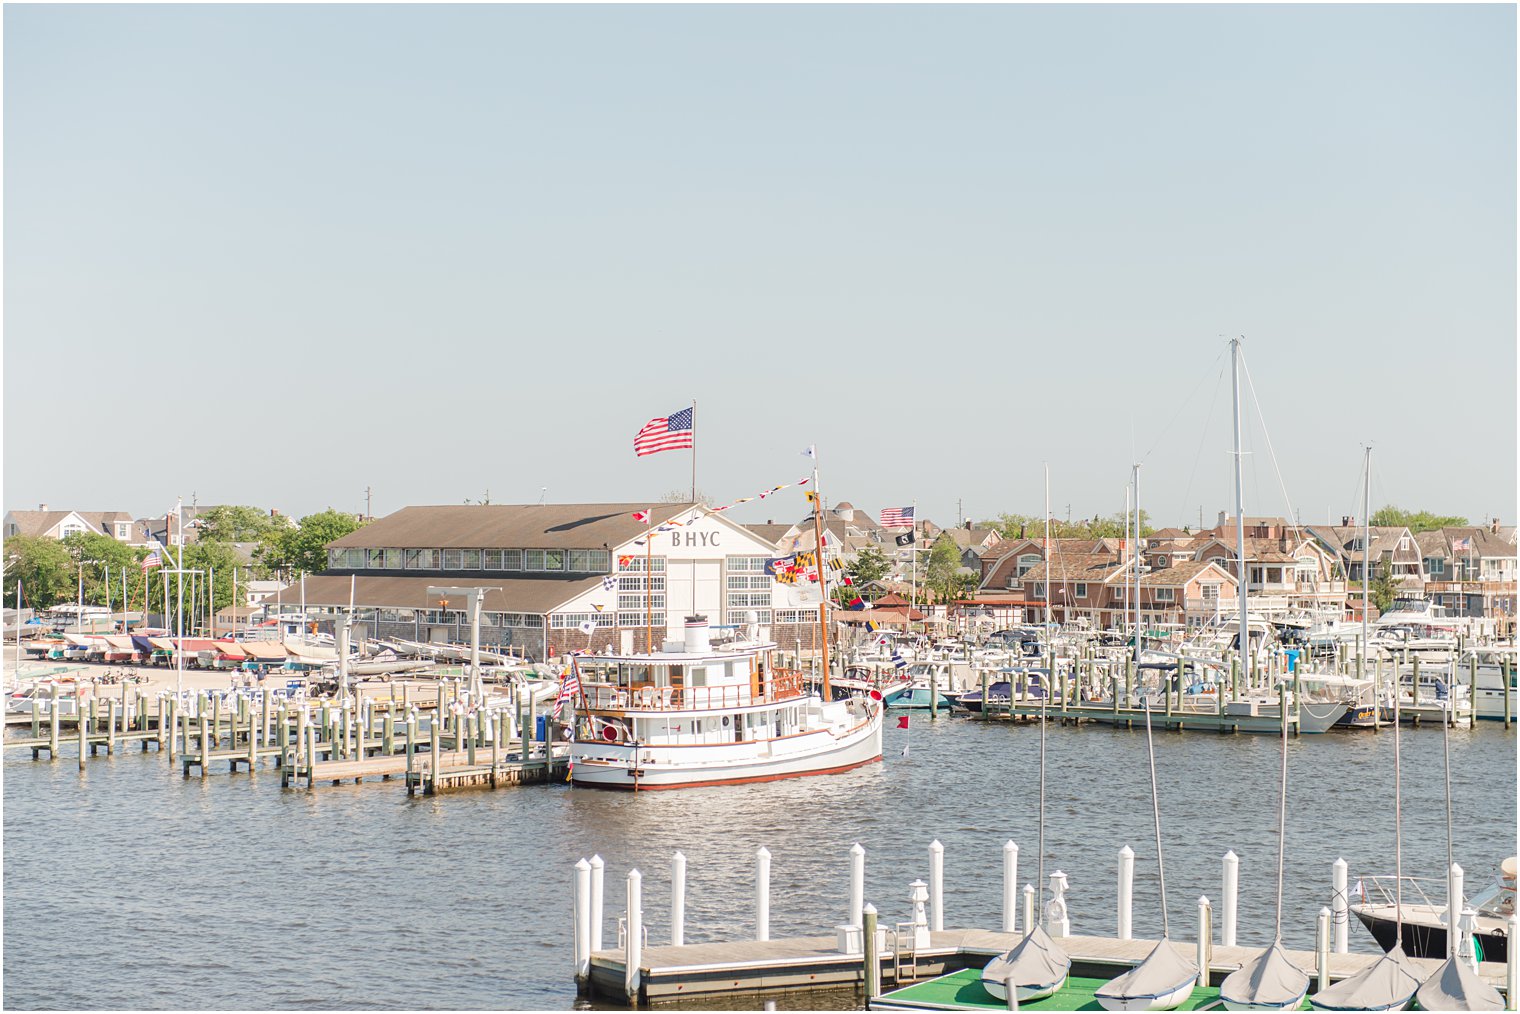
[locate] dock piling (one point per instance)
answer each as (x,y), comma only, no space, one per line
(84,730)
(936,886)
(1322,948)
(1010,886)
(677,899)
(873,959)
(1126,889)
(1512,961)
(1339,907)
(1205,938)
(763,894)
(1028,908)
(632,951)
(582,927)
(598,868)
(1454,878)
(857,884)
(1230,898)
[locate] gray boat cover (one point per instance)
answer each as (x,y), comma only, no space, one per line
(1386,984)
(1037,961)
(1270,979)
(1163,971)
(1455,986)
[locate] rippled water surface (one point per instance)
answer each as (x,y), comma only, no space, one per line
(128,886)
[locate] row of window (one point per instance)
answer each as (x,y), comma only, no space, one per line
(571,621)
(574,561)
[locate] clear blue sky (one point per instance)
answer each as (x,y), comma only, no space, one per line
(274,254)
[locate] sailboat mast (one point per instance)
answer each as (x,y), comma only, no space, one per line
(1137,565)
(1049,564)
(1240,520)
(1367,548)
(823,581)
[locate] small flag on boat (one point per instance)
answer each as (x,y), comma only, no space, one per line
(896,517)
(587,626)
(812,496)
(872,625)
(902,721)
(609,583)
(899,661)
(810,451)
(665,433)
(568,687)
(642,517)
(152,560)
(857,603)
(905,539)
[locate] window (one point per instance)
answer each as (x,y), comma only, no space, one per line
(1165,595)
(511,559)
(636,563)
(748,600)
(590,561)
(421,559)
(796,616)
(533,559)
(571,621)
(746,564)
(1435,565)
(1039,589)
(353,559)
(761,616)
(1210,594)
(656,601)
(123,530)
(1081,593)
(749,582)
(634,619)
(335,557)
(1026,563)
(375,558)
(490,559)
(393,559)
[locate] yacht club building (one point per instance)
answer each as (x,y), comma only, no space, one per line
(559,577)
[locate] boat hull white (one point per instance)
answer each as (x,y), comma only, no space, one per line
(1165,1001)
(642,768)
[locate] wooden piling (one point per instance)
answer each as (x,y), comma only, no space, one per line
(84,731)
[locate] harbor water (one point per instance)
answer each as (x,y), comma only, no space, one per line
(127,886)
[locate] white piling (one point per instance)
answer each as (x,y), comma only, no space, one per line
(1453,907)
(1126,889)
(936,886)
(1231,897)
(857,884)
(1467,929)
(1205,938)
(582,920)
(1340,911)
(763,894)
(1010,886)
(678,899)
(1028,907)
(1512,961)
(1322,948)
(632,943)
(598,871)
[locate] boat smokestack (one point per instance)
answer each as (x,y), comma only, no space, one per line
(698,637)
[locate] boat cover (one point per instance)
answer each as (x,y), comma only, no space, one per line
(317,653)
(231,648)
(1163,971)
(121,642)
(268,651)
(162,643)
(1270,979)
(1455,986)
(1036,961)
(1386,984)
(81,641)
(143,644)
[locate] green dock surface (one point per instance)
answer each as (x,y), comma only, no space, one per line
(963,991)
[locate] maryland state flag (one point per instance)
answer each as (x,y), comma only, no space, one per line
(780,565)
(807,559)
(906,539)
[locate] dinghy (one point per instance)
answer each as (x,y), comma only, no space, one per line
(1389,983)
(1455,986)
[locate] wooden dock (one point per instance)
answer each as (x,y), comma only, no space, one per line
(749,966)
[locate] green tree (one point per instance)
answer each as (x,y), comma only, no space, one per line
(942,575)
(1014,526)
(102,560)
(236,523)
(871,564)
(1383,588)
(1415,521)
(303,549)
(42,567)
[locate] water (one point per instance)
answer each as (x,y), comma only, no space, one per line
(227,892)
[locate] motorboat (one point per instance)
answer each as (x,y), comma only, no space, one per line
(699,713)
(1495,666)
(1424,919)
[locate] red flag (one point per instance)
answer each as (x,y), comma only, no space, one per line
(641,516)
(902,722)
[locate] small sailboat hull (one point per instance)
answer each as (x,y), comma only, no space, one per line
(1228,1004)
(1026,994)
(1170,1000)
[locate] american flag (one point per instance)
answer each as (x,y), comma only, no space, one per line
(665,434)
(897,517)
(1460,544)
(570,686)
(152,560)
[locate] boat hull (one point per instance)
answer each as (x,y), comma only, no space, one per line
(1235,1005)
(1425,941)
(1169,1000)
(644,768)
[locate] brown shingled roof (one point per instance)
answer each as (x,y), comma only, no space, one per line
(508,526)
(516,595)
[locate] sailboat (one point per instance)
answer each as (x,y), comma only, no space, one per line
(1456,984)
(1269,981)
(1165,979)
(1037,966)
(1389,983)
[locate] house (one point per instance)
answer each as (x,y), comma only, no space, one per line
(1389,549)
(846,532)
(1472,570)
(1192,593)
(55,524)
(561,577)
(1287,573)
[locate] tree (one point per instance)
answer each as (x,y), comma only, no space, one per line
(42,567)
(102,560)
(683,495)
(303,549)
(942,575)
(236,523)
(1383,588)
(1015,526)
(871,564)
(1415,521)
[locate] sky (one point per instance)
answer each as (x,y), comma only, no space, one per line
(282,254)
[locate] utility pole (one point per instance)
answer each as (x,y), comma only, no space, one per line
(369,494)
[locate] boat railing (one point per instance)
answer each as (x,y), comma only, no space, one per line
(779,685)
(1382,890)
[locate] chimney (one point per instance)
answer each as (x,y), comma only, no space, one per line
(1223,517)
(42,506)
(274,513)
(770,521)
(968,524)
(1347,520)
(1494,527)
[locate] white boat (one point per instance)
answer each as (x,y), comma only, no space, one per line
(1495,665)
(700,714)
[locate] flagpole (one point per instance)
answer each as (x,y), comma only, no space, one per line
(913,574)
(179,654)
(1048,572)
(694,466)
(823,581)
(648,582)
